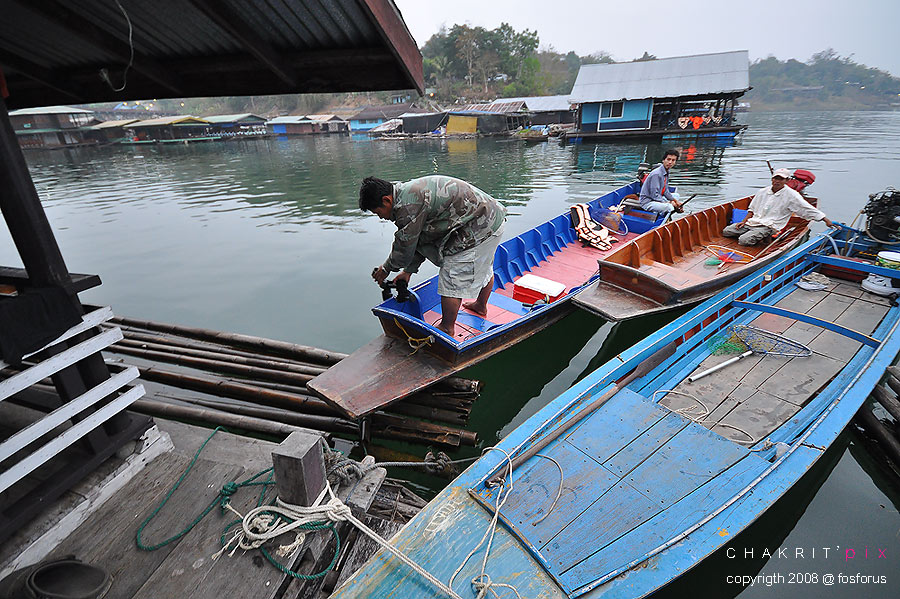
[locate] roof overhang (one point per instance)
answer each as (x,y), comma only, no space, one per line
(54,52)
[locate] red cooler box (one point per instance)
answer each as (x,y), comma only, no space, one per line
(531,288)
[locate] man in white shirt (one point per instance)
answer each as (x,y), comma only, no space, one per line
(771,209)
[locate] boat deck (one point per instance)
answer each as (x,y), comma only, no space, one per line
(572,266)
(748,400)
(661,455)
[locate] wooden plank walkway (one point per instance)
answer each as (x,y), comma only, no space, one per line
(185,566)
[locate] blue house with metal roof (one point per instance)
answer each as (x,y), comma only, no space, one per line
(684,96)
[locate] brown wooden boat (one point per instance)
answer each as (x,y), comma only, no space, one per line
(673,266)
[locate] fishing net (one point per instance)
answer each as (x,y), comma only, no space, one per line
(611,218)
(746,340)
(740,338)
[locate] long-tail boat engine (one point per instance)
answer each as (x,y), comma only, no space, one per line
(883,216)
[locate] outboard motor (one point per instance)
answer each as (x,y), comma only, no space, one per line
(883,216)
(642,172)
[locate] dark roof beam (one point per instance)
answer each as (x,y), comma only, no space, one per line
(232,23)
(85,29)
(39,74)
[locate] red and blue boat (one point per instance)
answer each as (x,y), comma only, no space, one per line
(413,353)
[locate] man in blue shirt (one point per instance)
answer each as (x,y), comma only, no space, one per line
(655,194)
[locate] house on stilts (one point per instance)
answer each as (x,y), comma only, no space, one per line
(681,97)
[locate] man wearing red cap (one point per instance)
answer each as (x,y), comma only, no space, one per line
(771,209)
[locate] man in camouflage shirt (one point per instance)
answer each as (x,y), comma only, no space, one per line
(453,224)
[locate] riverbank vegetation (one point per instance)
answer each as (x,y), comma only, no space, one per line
(464,64)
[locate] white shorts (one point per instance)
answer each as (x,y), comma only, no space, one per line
(463,275)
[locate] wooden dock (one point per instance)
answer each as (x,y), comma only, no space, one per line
(106,538)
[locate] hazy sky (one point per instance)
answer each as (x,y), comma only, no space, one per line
(867,29)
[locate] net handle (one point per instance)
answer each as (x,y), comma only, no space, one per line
(700,375)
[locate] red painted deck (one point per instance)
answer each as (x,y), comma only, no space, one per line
(572,266)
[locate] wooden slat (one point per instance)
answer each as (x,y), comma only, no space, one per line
(88,321)
(54,364)
(69,436)
(34,431)
(825,324)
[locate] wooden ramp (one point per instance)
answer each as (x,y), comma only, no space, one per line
(378,374)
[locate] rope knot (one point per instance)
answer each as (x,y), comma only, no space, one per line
(229,489)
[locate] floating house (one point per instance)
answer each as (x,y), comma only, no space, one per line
(546,110)
(51,126)
(289,125)
(110,131)
(423,122)
(328,123)
(685,96)
(170,129)
(236,125)
(372,116)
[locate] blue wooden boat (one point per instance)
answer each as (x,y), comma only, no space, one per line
(413,353)
(635,492)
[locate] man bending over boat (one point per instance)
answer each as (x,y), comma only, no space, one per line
(771,209)
(655,195)
(453,224)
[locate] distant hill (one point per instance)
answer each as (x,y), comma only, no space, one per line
(826,81)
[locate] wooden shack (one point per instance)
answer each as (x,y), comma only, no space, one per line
(231,126)
(685,96)
(51,126)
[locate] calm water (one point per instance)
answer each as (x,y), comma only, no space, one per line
(265,238)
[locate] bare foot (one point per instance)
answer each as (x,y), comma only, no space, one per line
(476,308)
(451,332)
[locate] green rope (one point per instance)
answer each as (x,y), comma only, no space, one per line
(223,498)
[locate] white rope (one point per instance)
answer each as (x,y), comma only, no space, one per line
(267,522)
(483,583)
(703,421)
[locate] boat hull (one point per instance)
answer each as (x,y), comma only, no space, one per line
(417,353)
(648,492)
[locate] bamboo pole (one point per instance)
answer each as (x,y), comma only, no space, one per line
(887,401)
(175,342)
(215,417)
(223,357)
(215,366)
(223,388)
(319,423)
(282,348)
(880,432)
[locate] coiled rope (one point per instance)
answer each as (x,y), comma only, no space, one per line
(416,343)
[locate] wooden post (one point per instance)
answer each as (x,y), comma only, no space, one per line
(24,215)
(299,468)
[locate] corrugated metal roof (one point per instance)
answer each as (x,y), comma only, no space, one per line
(505,105)
(286,120)
(321,118)
(114,124)
(49,110)
(233,118)
(54,52)
(543,103)
(386,111)
(169,120)
(724,72)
